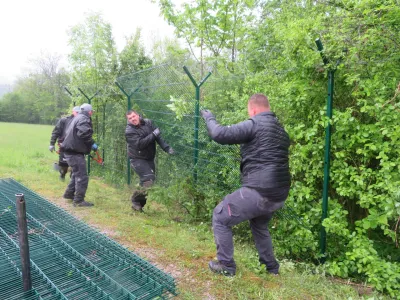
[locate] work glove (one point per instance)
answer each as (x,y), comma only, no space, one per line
(156,132)
(51,148)
(95,147)
(171,151)
(205,113)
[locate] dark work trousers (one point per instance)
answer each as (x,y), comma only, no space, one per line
(146,172)
(79,178)
(242,205)
(62,163)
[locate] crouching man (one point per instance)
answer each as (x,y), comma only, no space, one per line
(265,180)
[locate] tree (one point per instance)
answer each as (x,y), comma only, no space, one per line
(38,97)
(281,55)
(133,57)
(93,57)
(364,175)
(214,27)
(52,79)
(168,50)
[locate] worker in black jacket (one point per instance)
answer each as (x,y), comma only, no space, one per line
(77,143)
(58,134)
(141,136)
(265,182)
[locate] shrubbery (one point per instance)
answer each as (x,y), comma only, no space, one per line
(279,58)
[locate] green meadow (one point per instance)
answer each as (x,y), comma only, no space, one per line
(183,250)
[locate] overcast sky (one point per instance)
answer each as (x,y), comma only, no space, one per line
(29,27)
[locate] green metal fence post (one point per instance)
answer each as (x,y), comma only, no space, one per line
(104,127)
(328,128)
(196,133)
(89,101)
(128,164)
(69,92)
(196,119)
(23,241)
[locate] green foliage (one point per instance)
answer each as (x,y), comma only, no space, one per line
(280,53)
(95,67)
(216,27)
(93,55)
(180,107)
(364,170)
(133,58)
(183,201)
(38,98)
(169,51)
(267,47)
(154,235)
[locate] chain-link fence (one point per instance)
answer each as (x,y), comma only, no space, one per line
(108,128)
(172,97)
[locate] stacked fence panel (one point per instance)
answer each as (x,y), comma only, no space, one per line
(69,259)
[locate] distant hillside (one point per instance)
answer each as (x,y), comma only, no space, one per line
(5,88)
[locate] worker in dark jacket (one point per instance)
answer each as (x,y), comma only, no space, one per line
(141,136)
(58,134)
(77,143)
(265,182)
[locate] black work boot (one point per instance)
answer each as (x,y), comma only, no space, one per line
(83,204)
(137,207)
(138,200)
(219,268)
(272,267)
(63,172)
(68,196)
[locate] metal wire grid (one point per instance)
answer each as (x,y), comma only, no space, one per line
(217,166)
(69,281)
(108,129)
(166,95)
(114,271)
(11,286)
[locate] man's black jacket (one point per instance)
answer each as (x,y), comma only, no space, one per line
(142,142)
(264,149)
(58,132)
(78,135)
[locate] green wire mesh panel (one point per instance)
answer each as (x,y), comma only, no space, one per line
(70,260)
(11,286)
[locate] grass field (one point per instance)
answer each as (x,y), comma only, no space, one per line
(180,249)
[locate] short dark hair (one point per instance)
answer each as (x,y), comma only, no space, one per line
(259,100)
(131,111)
